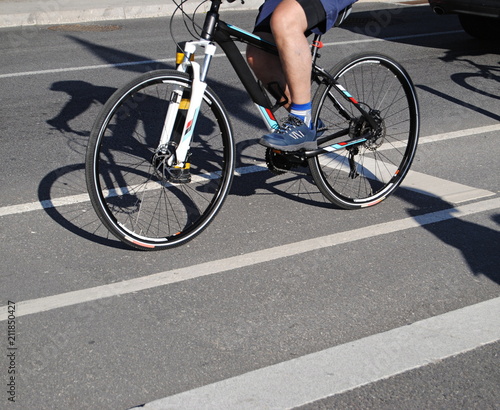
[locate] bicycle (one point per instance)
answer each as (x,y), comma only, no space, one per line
(161,154)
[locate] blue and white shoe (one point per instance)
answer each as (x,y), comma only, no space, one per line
(293,135)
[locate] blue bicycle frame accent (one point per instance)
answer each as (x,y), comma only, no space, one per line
(247,33)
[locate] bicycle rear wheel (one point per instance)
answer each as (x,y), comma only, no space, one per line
(364,174)
(139,203)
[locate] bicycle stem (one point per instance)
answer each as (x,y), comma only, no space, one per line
(211,20)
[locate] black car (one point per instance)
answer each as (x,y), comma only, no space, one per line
(479,18)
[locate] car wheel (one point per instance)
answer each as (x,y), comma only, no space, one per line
(484,28)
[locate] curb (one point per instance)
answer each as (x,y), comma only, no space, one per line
(38,12)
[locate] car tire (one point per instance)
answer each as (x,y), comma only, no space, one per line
(484,28)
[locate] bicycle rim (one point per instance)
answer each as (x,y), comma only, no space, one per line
(136,202)
(365,174)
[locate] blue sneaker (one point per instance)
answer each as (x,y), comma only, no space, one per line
(293,135)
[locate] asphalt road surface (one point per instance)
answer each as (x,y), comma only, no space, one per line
(284,301)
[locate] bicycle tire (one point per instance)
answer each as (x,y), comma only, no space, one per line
(364,175)
(140,206)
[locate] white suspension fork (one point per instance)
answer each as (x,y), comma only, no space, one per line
(199,86)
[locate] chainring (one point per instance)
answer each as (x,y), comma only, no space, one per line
(279,162)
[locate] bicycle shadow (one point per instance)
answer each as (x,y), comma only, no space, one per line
(79,218)
(76,215)
(70,180)
(477,244)
(479,81)
(233,98)
(395,24)
(82,94)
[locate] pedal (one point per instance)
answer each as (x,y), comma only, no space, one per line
(180,175)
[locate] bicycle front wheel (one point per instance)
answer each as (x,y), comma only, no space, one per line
(136,198)
(364,174)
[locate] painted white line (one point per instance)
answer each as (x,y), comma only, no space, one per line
(92,67)
(348,366)
(172,60)
(395,38)
(472,193)
(75,199)
(33,306)
(46,204)
(83,68)
(458,134)
(448,191)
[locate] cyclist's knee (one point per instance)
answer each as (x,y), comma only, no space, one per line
(288,19)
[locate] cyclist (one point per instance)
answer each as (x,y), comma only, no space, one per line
(287,23)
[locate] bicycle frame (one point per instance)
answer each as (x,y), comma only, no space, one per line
(225,35)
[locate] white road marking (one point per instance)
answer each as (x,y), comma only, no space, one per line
(46,204)
(395,38)
(453,192)
(446,190)
(44,304)
(345,367)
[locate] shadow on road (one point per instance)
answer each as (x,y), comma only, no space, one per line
(478,244)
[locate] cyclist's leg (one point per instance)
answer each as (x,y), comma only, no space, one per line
(289,22)
(267,68)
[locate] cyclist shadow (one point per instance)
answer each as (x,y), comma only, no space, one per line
(478,244)
(82,95)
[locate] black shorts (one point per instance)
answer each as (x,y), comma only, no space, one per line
(314,10)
